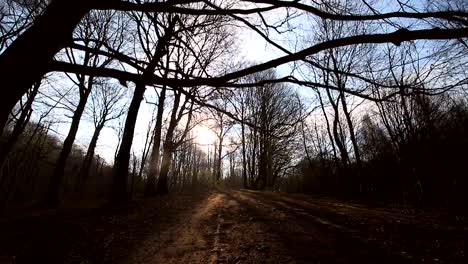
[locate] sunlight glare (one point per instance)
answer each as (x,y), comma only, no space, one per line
(204,136)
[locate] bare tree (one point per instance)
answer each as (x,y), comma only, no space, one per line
(89,30)
(178,111)
(272,115)
(106,105)
(21,121)
(119,190)
(155,152)
(52,26)
(221,128)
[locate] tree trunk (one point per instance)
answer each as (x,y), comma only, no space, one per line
(30,54)
(134,173)
(263,159)
(195,167)
(327,123)
(244,159)
(336,136)
(84,172)
(304,143)
(219,156)
(59,171)
(165,166)
(353,138)
(119,186)
(253,164)
(168,148)
(270,183)
(20,124)
(155,154)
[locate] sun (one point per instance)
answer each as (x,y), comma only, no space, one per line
(204,136)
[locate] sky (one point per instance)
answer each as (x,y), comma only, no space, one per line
(108,140)
(252,47)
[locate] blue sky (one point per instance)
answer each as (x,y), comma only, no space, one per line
(252,47)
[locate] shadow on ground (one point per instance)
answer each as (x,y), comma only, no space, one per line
(226,226)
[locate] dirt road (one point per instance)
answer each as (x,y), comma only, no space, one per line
(255,227)
(226,226)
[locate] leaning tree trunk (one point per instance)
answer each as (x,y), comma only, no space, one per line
(119,187)
(155,154)
(168,149)
(165,166)
(336,136)
(327,123)
(59,171)
(353,139)
(31,53)
(84,172)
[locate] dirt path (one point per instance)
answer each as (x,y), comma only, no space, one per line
(254,227)
(189,240)
(217,230)
(237,227)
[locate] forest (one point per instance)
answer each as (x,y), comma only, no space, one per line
(338,118)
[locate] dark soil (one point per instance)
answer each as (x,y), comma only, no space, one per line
(234,227)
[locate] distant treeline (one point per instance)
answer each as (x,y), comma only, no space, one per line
(413,150)
(25,172)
